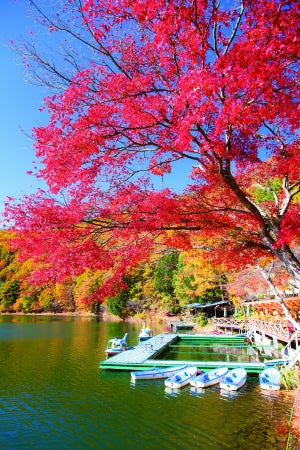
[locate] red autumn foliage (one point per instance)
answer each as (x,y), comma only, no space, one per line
(211,84)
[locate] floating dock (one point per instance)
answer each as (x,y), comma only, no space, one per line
(180,326)
(137,358)
(146,355)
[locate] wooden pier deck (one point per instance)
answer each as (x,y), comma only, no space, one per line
(138,357)
(145,355)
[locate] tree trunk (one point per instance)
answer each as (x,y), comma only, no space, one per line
(291,264)
(278,297)
(284,253)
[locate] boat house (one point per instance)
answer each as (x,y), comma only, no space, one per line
(223,308)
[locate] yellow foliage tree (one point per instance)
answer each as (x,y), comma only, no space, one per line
(197,277)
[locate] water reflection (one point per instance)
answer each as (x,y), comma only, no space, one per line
(173,392)
(196,390)
(200,352)
(51,387)
(229,394)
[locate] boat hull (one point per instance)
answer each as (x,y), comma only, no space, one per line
(181,378)
(270,379)
(143,338)
(155,373)
(114,352)
(116,346)
(270,387)
(145,333)
(209,379)
(234,380)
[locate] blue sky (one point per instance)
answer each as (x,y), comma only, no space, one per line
(20,103)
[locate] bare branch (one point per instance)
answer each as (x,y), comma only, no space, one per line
(235,29)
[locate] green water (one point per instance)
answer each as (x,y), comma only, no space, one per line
(53,396)
(198,351)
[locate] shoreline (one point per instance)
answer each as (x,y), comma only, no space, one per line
(105,316)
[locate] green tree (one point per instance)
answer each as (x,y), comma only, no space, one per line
(164,273)
(46,298)
(267,192)
(184,283)
(9,292)
(26,304)
(118,304)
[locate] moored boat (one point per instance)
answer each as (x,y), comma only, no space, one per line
(145,333)
(155,373)
(181,378)
(209,378)
(234,379)
(277,362)
(116,345)
(270,379)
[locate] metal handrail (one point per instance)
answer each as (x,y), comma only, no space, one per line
(294,359)
(229,322)
(270,328)
(276,328)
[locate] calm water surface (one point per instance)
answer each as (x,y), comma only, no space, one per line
(54,396)
(197,351)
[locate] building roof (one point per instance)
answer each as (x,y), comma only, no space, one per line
(206,305)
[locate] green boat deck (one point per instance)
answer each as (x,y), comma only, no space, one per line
(146,354)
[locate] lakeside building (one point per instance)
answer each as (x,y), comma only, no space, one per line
(222,308)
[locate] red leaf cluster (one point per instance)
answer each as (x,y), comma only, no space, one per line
(213,84)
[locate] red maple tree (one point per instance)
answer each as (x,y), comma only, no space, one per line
(143,87)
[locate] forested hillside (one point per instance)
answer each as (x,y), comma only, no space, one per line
(166,283)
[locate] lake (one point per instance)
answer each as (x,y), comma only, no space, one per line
(54,396)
